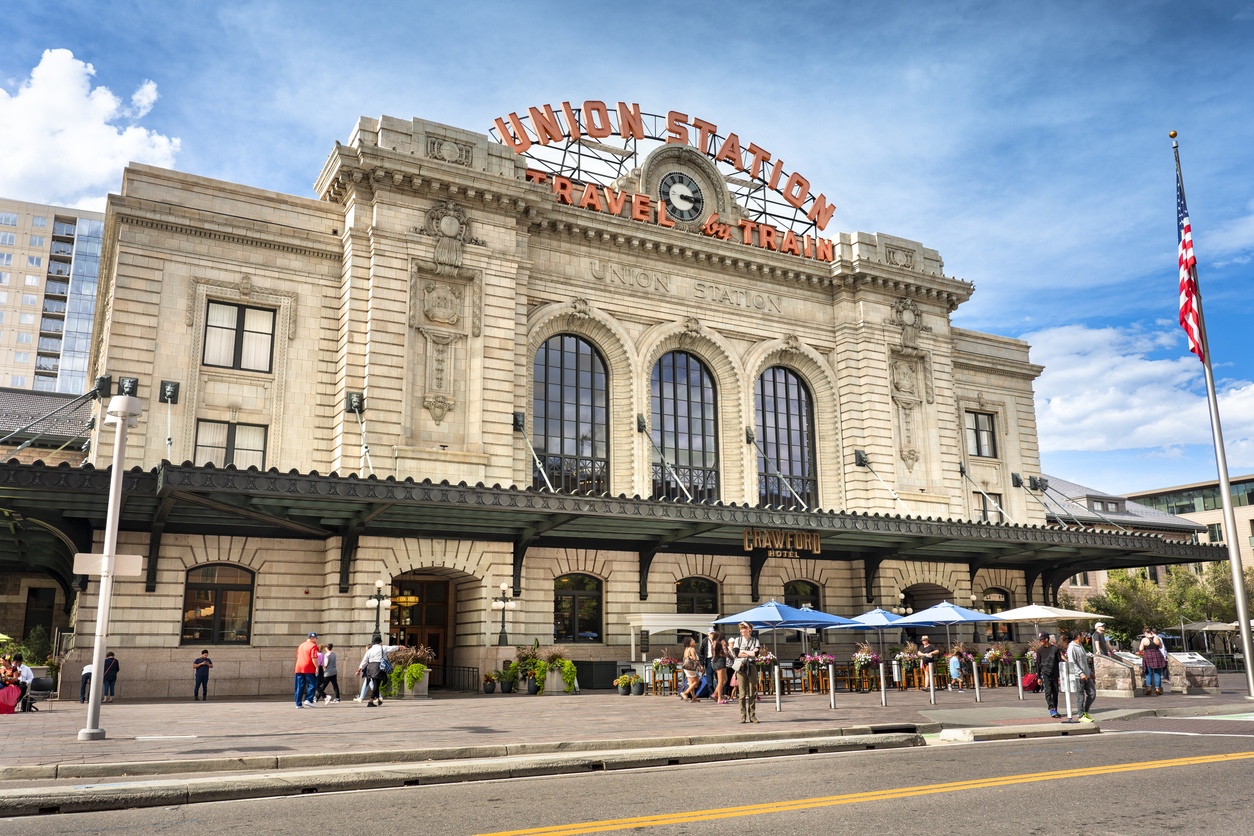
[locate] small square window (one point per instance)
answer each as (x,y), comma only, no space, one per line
(34,261)
(2,301)
(39,222)
(243,445)
(1215,532)
(17,380)
(8,239)
(26,319)
(29,299)
(6,259)
(986,507)
(32,281)
(23,339)
(980,437)
(36,240)
(238,337)
(21,357)
(4,278)
(8,219)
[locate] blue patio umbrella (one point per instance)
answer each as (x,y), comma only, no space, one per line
(816,620)
(944,613)
(771,615)
(877,619)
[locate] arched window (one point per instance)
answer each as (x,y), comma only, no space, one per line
(801,594)
(570,423)
(995,601)
(577,609)
(785,431)
(696,596)
(218,605)
(684,428)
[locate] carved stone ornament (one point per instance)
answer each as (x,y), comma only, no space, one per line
(580,308)
(442,303)
(448,151)
(905,378)
(792,344)
(449,224)
(907,316)
(910,456)
(438,406)
(899,257)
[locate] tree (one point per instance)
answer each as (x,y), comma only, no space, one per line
(1131,601)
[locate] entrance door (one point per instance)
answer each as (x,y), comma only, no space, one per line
(421,618)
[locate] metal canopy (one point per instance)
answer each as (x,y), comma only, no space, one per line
(186,499)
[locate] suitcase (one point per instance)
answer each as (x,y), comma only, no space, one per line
(1031,682)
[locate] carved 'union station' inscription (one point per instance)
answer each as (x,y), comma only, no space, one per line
(737,297)
(624,275)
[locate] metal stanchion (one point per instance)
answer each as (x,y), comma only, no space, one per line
(1064,681)
(831,682)
(931,683)
(883,687)
(975,677)
(779,706)
(1019,676)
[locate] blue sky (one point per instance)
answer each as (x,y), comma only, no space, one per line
(1026,142)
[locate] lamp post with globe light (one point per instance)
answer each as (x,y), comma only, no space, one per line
(503,602)
(379,601)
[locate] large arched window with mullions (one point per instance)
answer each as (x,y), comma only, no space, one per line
(785,431)
(570,423)
(685,428)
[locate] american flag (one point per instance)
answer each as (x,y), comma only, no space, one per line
(1189,302)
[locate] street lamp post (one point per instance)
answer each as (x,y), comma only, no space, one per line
(503,602)
(378,599)
(124,411)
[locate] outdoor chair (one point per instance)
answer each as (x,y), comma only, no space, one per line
(41,690)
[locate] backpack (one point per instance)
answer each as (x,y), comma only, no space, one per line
(385,666)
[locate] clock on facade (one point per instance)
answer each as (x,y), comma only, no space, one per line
(682,196)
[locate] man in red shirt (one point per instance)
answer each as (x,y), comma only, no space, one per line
(306,671)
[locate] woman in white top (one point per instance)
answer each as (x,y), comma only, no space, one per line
(370,666)
(691,666)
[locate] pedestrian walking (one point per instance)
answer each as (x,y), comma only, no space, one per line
(25,677)
(371,663)
(1153,661)
(1048,658)
(330,674)
(927,657)
(718,664)
(306,672)
(745,649)
(691,666)
(85,683)
(111,668)
(1083,688)
(955,666)
(1101,643)
(200,670)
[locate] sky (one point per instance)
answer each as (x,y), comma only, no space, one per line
(1026,142)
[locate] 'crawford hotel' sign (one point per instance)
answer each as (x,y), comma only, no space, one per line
(614,360)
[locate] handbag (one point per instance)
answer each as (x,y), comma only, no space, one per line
(689,664)
(385,666)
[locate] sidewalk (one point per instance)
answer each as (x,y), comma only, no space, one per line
(348,732)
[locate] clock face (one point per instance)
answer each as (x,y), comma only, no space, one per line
(682,196)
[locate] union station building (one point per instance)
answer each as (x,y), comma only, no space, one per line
(618,371)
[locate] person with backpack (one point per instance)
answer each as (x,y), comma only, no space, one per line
(1153,661)
(1048,657)
(375,665)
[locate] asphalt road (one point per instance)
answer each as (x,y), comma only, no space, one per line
(1110,784)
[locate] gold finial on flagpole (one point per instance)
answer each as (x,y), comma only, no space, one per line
(1171,134)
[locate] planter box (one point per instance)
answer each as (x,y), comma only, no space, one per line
(419,691)
(555,686)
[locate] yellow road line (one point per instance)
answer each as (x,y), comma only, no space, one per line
(854,798)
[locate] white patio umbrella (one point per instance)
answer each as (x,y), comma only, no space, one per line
(945,613)
(1036,613)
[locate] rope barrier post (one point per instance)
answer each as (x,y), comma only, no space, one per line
(1019,675)
(1064,681)
(883,687)
(831,681)
(975,677)
(931,682)
(779,705)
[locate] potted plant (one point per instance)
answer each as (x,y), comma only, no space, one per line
(559,675)
(627,682)
(410,666)
(509,678)
(489,682)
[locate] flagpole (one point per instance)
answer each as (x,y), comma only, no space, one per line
(1221,463)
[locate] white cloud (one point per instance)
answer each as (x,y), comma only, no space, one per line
(59,140)
(1102,390)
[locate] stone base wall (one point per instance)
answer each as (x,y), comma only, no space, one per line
(1114,678)
(1192,679)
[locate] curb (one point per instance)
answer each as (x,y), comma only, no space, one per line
(399,756)
(978,735)
(89,798)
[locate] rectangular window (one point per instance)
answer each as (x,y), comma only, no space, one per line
(1215,532)
(1081,579)
(26,319)
(6,260)
(8,219)
(32,281)
(1152,571)
(64,229)
(39,606)
(2,301)
(8,239)
(237,337)
(4,278)
(29,299)
(24,339)
(21,357)
(34,261)
(36,240)
(986,510)
(38,222)
(45,383)
(18,381)
(243,445)
(980,439)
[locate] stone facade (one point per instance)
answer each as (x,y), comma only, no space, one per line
(425,277)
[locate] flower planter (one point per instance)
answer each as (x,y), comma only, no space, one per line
(490,688)
(507,687)
(637,689)
(533,687)
(624,690)
(554,685)
(419,691)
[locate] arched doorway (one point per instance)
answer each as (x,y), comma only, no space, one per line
(996,600)
(428,608)
(919,597)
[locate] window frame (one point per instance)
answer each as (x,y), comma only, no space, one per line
(686,602)
(563,469)
(983,508)
(237,349)
(218,588)
(974,434)
(662,481)
(997,631)
(777,436)
(575,596)
(228,458)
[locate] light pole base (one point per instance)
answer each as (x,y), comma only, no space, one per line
(91,734)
